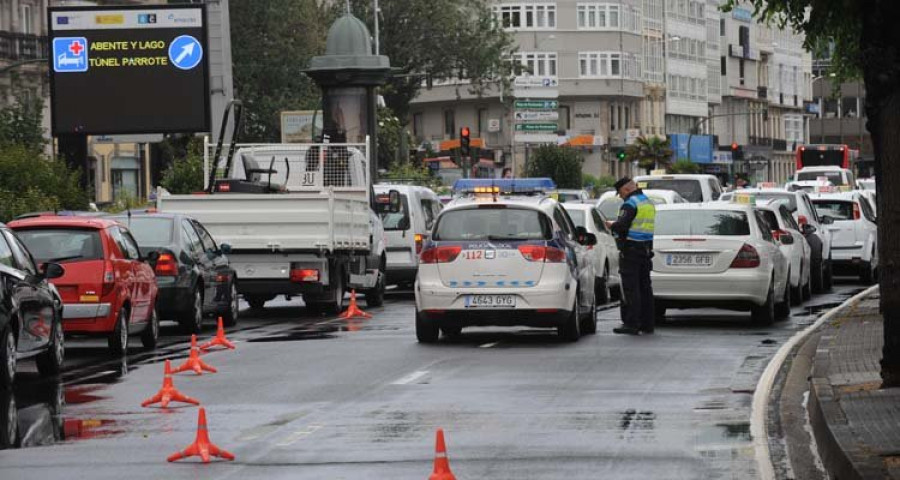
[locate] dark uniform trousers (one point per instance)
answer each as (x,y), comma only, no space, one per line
(635,264)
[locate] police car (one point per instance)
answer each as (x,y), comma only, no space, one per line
(503,253)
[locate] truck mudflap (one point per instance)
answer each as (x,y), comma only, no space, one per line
(365,281)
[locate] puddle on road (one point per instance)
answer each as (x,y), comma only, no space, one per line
(298,334)
(724,433)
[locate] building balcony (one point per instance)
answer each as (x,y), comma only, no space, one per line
(19,46)
(762,92)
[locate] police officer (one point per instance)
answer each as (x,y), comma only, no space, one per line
(634,236)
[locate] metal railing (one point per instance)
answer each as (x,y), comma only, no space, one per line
(20,46)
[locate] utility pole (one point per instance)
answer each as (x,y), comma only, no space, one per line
(377,41)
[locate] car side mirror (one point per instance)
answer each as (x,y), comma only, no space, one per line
(52,270)
(388,202)
(809,229)
(827,220)
(786,239)
(225,248)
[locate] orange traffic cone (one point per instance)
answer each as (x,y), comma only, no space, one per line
(353,310)
(219,339)
(441,462)
(168,392)
(201,447)
(193,362)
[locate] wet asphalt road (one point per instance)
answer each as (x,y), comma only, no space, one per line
(310,397)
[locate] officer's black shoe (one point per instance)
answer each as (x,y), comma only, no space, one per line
(623,330)
(646,330)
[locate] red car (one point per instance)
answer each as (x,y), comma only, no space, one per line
(108,288)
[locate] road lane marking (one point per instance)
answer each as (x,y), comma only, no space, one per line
(299,435)
(488,345)
(411,378)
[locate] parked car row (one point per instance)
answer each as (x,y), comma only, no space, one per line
(105,276)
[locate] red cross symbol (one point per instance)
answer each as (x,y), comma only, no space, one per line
(76,47)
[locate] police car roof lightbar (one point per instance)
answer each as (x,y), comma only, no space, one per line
(505,185)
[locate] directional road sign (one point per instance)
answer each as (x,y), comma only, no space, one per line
(70,54)
(185,52)
(537,104)
(536,127)
(530,116)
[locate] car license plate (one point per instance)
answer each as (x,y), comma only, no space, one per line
(490,301)
(688,260)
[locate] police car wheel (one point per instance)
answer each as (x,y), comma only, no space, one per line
(570,330)
(589,322)
(426,331)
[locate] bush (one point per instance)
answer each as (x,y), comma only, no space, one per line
(597,184)
(684,165)
(412,173)
(30,182)
(562,164)
(185,175)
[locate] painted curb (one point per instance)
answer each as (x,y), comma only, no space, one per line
(760,406)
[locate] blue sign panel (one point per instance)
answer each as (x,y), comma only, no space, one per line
(185,52)
(70,54)
(701,147)
(742,14)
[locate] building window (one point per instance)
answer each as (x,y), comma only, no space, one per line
(563,121)
(607,16)
(540,16)
(418,126)
(721,27)
(542,64)
(608,65)
(26,20)
(482,121)
(449,124)
(612,117)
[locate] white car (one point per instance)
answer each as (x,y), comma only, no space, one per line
(610,203)
(808,186)
(816,233)
(407,230)
(794,247)
(505,259)
(571,195)
(693,188)
(866,184)
(839,177)
(604,256)
(855,231)
(718,255)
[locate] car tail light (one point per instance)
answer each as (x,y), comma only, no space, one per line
(440,254)
(109,278)
(747,257)
(540,253)
(802,220)
(300,275)
(856,211)
(166,266)
(420,240)
(224,187)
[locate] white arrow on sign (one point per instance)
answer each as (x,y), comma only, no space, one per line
(186,51)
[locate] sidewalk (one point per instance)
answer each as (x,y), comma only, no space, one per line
(856,425)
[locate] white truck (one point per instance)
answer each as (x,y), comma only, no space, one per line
(298,218)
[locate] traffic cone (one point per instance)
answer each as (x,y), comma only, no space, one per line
(168,392)
(201,447)
(353,311)
(219,339)
(441,462)
(193,362)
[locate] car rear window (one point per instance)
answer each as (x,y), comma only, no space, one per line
(702,222)
(493,224)
(837,209)
(149,231)
(690,190)
(610,207)
(62,245)
(770,218)
(836,178)
(577,217)
(790,200)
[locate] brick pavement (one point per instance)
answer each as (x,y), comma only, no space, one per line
(857,425)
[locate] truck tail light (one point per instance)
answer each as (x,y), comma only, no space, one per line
(856,211)
(420,240)
(300,275)
(440,254)
(540,253)
(166,266)
(747,257)
(109,278)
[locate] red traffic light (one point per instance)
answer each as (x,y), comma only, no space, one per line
(464,132)
(734,146)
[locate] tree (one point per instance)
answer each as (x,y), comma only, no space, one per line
(438,39)
(390,130)
(185,174)
(866,43)
(684,165)
(31,182)
(272,41)
(650,152)
(562,164)
(20,124)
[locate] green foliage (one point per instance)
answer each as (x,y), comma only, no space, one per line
(412,174)
(185,174)
(684,165)
(30,181)
(390,130)
(597,184)
(438,39)
(650,152)
(272,41)
(562,164)
(20,124)
(126,201)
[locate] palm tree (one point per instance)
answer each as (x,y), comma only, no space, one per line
(650,152)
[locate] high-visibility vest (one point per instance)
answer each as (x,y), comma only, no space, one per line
(642,227)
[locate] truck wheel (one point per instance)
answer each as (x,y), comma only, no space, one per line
(426,331)
(375,296)
(332,302)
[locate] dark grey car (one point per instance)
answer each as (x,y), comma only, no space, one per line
(193,273)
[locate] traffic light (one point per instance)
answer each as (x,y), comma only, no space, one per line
(737,153)
(464,140)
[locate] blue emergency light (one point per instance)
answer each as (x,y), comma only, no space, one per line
(504,185)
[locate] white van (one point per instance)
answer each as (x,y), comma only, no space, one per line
(407,230)
(693,188)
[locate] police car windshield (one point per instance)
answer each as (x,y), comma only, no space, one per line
(492,224)
(702,222)
(690,190)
